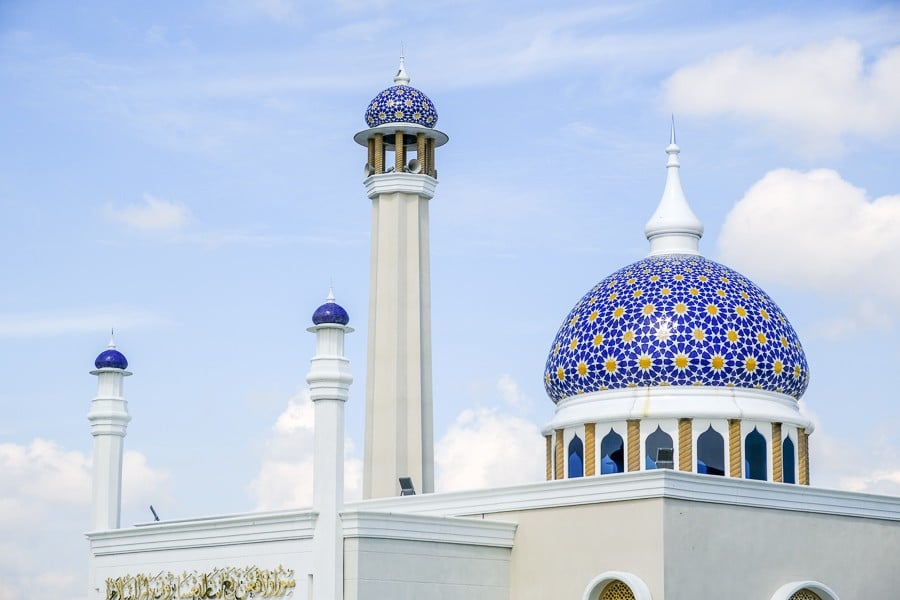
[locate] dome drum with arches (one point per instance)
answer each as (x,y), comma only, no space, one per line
(679,320)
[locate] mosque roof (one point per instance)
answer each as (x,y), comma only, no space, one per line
(675,318)
(401,103)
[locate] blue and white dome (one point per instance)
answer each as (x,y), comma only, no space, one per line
(675,319)
(330,313)
(401,103)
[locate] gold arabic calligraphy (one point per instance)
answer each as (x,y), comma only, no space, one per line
(228,584)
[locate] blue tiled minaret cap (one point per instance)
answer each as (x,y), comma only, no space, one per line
(401,103)
(111,358)
(330,312)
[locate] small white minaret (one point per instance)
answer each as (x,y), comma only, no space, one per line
(329,382)
(109,419)
(673,228)
(399,439)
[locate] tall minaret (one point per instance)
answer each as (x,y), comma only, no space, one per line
(399,437)
(329,382)
(109,419)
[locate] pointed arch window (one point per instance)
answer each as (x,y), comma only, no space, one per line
(656,440)
(788,460)
(711,452)
(576,457)
(755,453)
(612,453)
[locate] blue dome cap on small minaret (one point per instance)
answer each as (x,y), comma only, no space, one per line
(401,103)
(330,312)
(111,358)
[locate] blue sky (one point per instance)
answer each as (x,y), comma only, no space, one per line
(185,173)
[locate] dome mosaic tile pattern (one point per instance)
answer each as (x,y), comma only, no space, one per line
(401,104)
(675,320)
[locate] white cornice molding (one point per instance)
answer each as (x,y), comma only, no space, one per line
(668,402)
(404,183)
(428,528)
(205,532)
(661,483)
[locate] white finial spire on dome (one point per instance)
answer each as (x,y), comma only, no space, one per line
(330,297)
(112,338)
(673,228)
(401,78)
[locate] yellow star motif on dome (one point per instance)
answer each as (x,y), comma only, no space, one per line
(556,348)
(717,362)
(613,296)
(645,361)
(654,278)
(741,311)
(681,361)
(398,114)
(628,336)
(598,339)
(610,365)
(665,291)
(390,103)
(761,338)
(764,314)
(680,308)
(721,293)
(547,378)
(703,278)
(407,102)
(667,270)
(784,342)
(694,291)
(712,310)
(612,283)
(573,320)
(648,309)
(560,373)
(723,279)
(750,364)
(618,312)
(593,316)
(679,277)
(699,334)
(778,367)
(592,301)
(573,344)
(582,369)
(631,281)
(638,293)
(796,371)
(732,336)
(745,295)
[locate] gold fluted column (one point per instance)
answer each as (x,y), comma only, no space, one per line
(734,448)
(560,464)
(379,153)
(777,462)
(803,450)
(429,156)
(420,152)
(685,445)
(549,456)
(399,152)
(634,445)
(590,449)
(371,148)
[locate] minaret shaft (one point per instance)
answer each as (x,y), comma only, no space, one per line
(399,432)
(109,420)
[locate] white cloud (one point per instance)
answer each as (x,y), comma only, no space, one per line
(285,477)
(487,448)
(866,315)
(816,230)
(820,92)
(154,214)
(53,323)
(45,495)
(511,393)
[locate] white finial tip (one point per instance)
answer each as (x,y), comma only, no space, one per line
(401,78)
(330,297)
(112,338)
(672,138)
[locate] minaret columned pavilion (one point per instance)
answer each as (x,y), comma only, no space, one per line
(400,179)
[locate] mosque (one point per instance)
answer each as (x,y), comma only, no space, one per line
(677,461)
